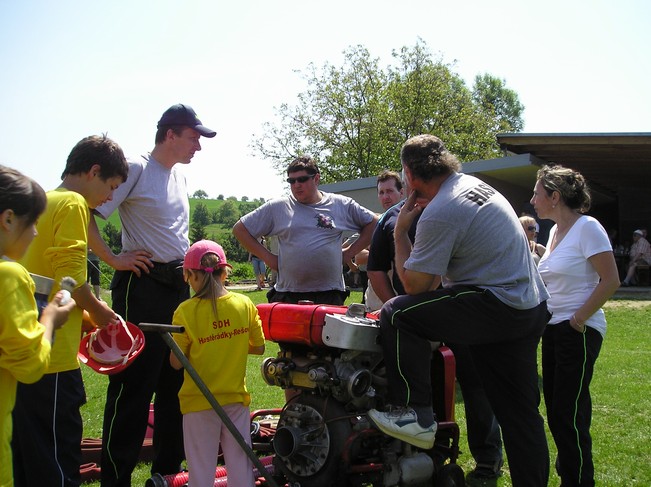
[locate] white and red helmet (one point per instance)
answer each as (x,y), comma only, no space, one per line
(111,349)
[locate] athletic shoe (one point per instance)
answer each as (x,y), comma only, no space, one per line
(402,423)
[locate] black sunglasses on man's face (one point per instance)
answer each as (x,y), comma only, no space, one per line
(301,179)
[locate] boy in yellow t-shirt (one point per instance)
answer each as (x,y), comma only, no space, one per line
(25,343)
(221,328)
(47,412)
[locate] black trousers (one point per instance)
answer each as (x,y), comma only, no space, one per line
(568,359)
(151,298)
(503,343)
(334,297)
(47,432)
(482,427)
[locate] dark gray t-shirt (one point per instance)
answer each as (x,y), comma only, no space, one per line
(470,235)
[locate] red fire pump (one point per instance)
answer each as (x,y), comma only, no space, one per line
(332,357)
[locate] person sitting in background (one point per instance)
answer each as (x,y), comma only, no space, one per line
(529,226)
(640,254)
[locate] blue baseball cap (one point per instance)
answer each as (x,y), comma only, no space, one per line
(184,115)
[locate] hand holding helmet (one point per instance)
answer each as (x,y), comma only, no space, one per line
(111,349)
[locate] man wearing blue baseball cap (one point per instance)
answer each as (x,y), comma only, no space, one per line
(148,286)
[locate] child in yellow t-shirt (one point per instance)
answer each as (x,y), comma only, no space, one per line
(221,328)
(24,343)
(47,413)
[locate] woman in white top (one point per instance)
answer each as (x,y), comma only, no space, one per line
(580,273)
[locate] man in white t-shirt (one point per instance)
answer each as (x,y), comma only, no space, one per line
(147,287)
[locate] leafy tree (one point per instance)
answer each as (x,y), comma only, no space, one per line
(200,194)
(494,97)
(248,206)
(197,232)
(201,215)
(245,198)
(234,251)
(228,213)
(353,119)
(113,237)
(220,197)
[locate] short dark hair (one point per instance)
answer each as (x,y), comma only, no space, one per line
(97,149)
(303,163)
(570,184)
(386,175)
(426,157)
(21,194)
(161,132)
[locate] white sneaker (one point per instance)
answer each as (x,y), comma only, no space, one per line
(402,423)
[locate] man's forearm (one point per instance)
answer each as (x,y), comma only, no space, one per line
(249,242)
(362,242)
(403,250)
(97,243)
(381,285)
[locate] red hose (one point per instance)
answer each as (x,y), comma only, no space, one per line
(180,479)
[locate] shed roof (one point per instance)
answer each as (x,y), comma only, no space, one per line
(610,161)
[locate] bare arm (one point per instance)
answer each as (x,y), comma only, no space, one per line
(253,350)
(54,315)
(540,249)
(382,286)
(361,258)
(414,282)
(100,312)
(251,243)
(604,264)
(135,260)
(175,362)
(362,242)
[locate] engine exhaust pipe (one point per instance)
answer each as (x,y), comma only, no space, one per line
(287,441)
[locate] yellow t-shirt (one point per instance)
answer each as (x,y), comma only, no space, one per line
(60,250)
(24,353)
(217,347)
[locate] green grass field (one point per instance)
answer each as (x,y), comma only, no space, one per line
(621,427)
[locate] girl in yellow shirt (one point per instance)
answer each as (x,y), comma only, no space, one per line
(25,343)
(221,328)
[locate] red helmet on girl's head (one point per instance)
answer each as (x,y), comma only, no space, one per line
(111,349)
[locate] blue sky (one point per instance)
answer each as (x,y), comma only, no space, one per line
(74,68)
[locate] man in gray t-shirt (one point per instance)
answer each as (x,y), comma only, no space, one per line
(147,287)
(310,225)
(469,240)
